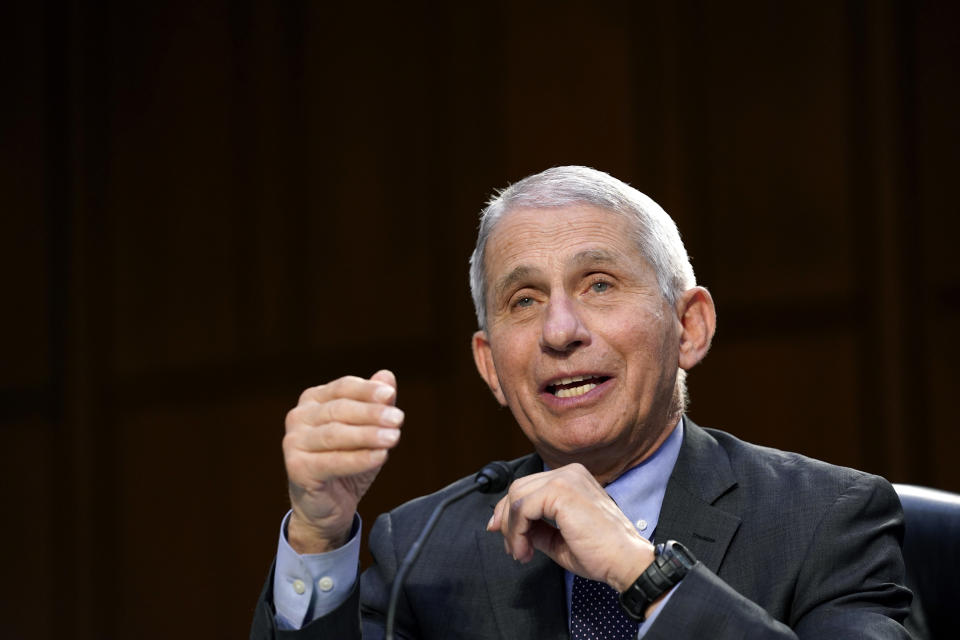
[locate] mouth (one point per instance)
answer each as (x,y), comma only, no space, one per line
(575,386)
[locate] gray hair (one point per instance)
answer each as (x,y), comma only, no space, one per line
(656,233)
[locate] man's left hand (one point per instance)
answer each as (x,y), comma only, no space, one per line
(591,537)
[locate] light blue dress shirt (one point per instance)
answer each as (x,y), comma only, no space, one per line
(639,494)
(306,587)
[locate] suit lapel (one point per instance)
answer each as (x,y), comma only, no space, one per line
(700,477)
(528,600)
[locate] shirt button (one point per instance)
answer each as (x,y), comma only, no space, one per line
(299,587)
(325,583)
(642,524)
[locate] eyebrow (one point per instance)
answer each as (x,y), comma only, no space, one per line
(582,259)
(594,256)
(518,273)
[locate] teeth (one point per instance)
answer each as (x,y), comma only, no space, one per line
(574,391)
(573,379)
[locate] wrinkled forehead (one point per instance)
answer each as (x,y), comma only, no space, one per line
(572,237)
(527,229)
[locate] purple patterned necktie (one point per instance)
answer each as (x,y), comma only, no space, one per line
(595,613)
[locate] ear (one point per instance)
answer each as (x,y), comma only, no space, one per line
(483,358)
(698,321)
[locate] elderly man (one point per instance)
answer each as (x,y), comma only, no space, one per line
(589,318)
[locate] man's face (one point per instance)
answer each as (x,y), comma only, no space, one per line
(581,344)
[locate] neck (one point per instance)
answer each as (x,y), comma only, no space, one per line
(609,463)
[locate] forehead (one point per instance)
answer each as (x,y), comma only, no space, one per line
(532,238)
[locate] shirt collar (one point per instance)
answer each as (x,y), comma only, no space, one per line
(639,491)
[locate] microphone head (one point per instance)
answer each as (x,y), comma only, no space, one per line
(494,477)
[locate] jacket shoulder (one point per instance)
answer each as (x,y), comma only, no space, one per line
(796,487)
(756,466)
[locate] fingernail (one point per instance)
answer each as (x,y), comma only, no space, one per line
(388,437)
(392,416)
(383,393)
(489,523)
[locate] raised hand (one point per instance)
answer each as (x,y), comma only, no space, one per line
(337,439)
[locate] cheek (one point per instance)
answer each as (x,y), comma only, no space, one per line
(514,350)
(651,349)
(512,372)
(509,370)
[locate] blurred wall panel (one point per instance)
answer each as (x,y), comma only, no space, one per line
(207,207)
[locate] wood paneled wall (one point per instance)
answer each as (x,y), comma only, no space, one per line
(208,206)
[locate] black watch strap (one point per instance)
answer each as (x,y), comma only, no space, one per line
(671,562)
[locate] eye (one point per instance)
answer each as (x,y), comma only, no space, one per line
(600,286)
(523,301)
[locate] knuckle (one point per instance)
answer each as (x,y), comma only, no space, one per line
(308,393)
(324,438)
(343,385)
(337,409)
(292,419)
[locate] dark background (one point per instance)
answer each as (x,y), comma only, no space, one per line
(208,206)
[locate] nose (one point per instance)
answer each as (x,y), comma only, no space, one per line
(563,329)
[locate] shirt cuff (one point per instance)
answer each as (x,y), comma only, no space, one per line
(309,586)
(645,625)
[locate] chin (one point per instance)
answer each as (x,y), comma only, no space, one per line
(576,445)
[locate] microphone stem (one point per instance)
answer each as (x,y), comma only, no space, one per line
(414,551)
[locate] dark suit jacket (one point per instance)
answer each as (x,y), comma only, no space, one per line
(787,547)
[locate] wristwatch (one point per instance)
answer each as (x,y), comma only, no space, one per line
(671,561)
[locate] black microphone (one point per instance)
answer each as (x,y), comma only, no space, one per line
(492,478)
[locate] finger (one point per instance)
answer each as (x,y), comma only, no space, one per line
(520,508)
(346,411)
(496,520)
(500,521)
(385,376)
(533,505)
(519,488)
(539,535)
(315,468)
(569,485)
(519,518)
(546,538)
(344,437)
(352,387)
(527,484)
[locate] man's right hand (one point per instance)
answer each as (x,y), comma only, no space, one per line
(337,440)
